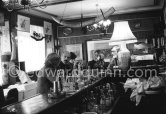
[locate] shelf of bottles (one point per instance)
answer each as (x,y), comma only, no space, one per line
(159,45)
(57,46)
(98,100)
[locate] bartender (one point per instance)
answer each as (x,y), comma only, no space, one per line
(114,60)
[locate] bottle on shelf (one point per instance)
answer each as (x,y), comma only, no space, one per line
(102,101)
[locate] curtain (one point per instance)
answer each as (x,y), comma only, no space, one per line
(30,51)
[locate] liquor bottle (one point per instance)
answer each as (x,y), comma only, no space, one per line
(102,101)
(109,98)
(108,95)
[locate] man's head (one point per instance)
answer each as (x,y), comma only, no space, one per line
(73,56)
(66,57)
(115,51)
(96,55)
(102,56)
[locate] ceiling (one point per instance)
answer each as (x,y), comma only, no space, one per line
(71,9)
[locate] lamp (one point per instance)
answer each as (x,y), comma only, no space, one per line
(16,4)
(102,25)
(121,36)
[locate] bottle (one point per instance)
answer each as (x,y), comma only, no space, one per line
(108,99)
(102,101)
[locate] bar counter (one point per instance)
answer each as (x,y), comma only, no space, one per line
(41,103)
(33,105)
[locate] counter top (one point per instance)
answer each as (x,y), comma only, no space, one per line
(33,105)
(41,102)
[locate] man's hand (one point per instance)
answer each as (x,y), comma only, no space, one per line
(115,56)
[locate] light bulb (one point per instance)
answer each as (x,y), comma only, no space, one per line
(95,25)
(105,23)
(101,22)
(108,22)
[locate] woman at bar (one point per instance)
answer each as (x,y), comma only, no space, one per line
(47,75)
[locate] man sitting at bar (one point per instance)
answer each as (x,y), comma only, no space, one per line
(47,74)
(94,63)
(73,56)
(65,64)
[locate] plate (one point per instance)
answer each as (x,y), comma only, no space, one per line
(67,31)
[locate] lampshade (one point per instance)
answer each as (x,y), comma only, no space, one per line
(122,33)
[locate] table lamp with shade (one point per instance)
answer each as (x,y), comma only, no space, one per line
(121,36)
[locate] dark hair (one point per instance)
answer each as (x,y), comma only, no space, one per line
(97,51)
(73,55)
(52,60)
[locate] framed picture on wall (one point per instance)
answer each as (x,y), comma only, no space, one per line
(102,46)
(77,49)
(47,28)
(23,23)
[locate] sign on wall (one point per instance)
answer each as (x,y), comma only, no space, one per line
(23,23)
(47,28)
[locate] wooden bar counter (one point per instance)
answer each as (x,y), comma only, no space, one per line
(41,103)
(33,105)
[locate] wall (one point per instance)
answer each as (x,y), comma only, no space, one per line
(34,20)
(39,21)
(151,26)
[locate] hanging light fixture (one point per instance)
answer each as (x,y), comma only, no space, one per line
(10,5)
(101,25)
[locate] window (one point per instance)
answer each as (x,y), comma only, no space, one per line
(30,51)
